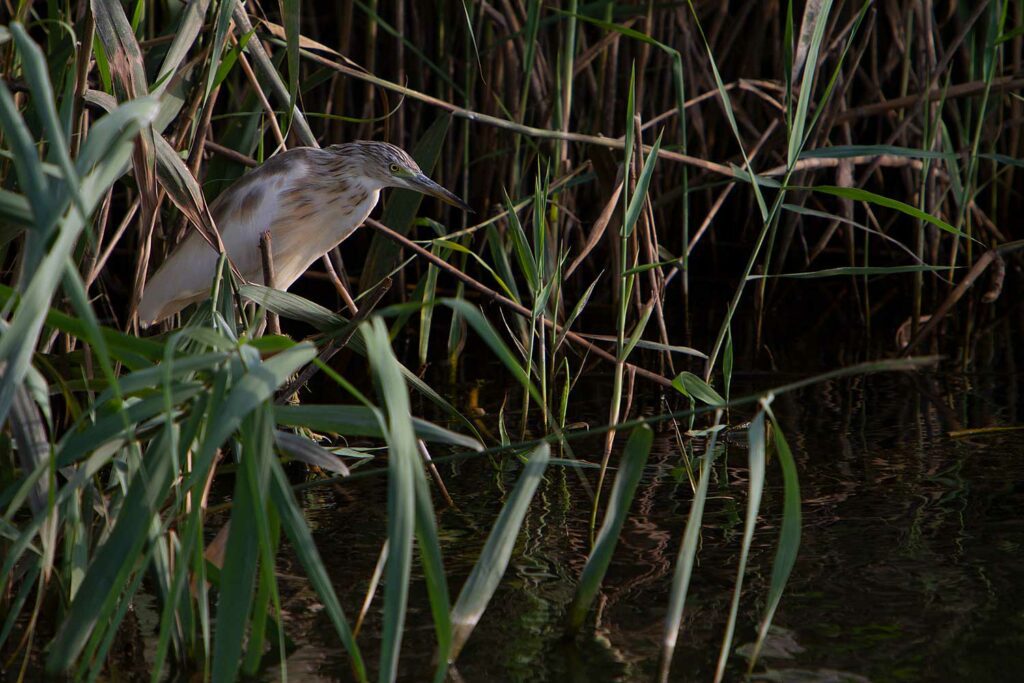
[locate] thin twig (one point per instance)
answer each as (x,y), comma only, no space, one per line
(232,154)
(264,102)
(339,286)
(269,277)
(432,468)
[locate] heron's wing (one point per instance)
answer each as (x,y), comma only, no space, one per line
(242,213)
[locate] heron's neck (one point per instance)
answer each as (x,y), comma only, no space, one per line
(346,174)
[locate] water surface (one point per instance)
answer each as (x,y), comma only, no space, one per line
(909,569)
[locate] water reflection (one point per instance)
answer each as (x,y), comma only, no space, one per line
(908,571)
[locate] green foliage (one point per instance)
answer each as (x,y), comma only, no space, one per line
(122,455)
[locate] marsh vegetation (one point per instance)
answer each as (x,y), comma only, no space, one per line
(689,217)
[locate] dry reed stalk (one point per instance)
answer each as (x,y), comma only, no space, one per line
(269,277)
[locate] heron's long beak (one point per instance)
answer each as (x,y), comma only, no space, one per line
(422,183)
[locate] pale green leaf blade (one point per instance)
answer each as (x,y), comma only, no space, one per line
(634,459)
(494,558)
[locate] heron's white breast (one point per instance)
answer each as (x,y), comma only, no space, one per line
(302,235)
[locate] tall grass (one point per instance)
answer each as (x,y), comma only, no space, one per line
(621,156)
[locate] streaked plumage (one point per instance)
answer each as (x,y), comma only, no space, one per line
(309,199)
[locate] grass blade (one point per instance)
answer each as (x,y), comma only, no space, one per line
(789,535)
(730,115)
(636,202)
(859,195)
(403,460)
(855,271)
(634,458)
(292,32)
(756,459)
(686,558)
(493,561)
(433,569)
(302,543)
(478,322)
(807,61)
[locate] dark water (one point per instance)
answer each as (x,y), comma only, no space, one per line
(909,570)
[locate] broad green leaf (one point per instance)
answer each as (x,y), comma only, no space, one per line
(111,426)
(239,571)
(309,452)
(190,25)
(292,306)
(17,345)
(352,420)
(16,209)
(294,524)
(521,246)
(433,568)
(37,76)
(256,386)
(116,558)
(638,330)
(689,384)
(134,351)
(636,202)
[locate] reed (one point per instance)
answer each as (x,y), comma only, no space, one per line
(646,175)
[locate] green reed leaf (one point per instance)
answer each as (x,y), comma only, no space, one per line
(483,580)
(294,523)
(755,488)
(789,535)
(403,460)
(689,384)
(859,195)
(686,559)
(634,459)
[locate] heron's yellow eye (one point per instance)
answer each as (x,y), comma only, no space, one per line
(395,168)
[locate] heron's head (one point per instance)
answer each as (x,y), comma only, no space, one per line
(392,167)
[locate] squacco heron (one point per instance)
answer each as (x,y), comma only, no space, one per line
(308,199)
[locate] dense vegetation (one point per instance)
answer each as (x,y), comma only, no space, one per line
(651,182)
